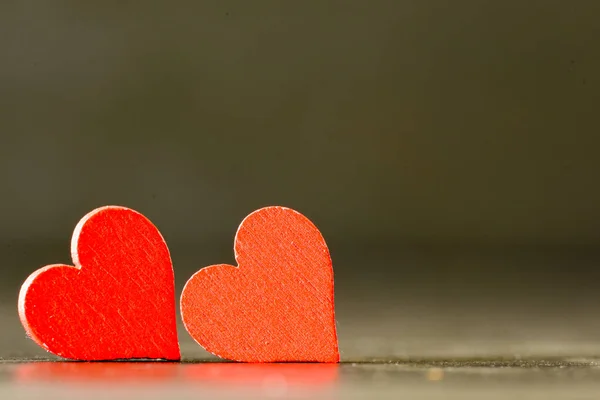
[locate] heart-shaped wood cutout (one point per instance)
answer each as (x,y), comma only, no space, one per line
(117,302)
(277,305)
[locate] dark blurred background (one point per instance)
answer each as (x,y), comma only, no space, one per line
(448,151)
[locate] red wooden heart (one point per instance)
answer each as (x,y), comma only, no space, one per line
(277,305)
(117,302)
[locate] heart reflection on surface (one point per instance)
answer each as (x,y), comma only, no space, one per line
(304,375)
(96,372)
(272,379)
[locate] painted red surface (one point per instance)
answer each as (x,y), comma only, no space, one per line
(117,302)
(277,305)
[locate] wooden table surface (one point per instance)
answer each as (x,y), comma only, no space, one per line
(466,379)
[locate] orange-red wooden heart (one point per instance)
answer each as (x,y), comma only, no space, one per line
(277,305)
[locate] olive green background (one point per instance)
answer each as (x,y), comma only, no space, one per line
(448,151)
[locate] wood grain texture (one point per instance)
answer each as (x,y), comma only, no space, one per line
(117,302)
(277,305)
